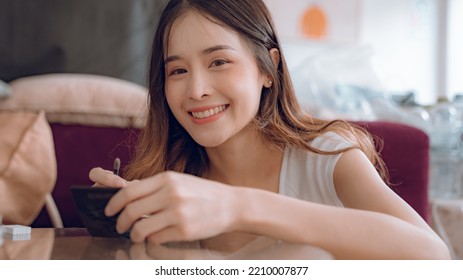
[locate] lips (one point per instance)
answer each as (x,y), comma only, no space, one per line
(202,113)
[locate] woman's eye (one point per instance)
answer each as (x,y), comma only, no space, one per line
(218,62)
(178,71)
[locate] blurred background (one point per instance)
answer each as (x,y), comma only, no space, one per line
(416,44)
(107,37)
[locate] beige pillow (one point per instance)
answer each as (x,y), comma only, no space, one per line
(80,99)
(27,165)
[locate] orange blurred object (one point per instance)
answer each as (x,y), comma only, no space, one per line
(314,23)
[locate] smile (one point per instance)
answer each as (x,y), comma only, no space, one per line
(209,112)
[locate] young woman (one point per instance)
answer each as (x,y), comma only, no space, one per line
(227,153)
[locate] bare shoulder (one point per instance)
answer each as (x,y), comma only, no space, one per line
(358,185)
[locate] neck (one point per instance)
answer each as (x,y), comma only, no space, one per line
(246,160)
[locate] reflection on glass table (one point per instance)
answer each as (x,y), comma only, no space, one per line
(76,243)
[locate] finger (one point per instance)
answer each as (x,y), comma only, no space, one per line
(169,234)
(155,223)
(135,210)
(106,178)
(136,191)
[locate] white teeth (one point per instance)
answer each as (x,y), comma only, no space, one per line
(208,113)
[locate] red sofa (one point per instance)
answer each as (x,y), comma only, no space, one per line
(79,148)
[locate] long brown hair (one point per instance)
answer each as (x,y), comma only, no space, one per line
(165,145)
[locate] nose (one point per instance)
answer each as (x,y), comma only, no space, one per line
(198,86)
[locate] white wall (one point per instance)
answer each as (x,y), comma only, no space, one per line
(455,48)
(404,35)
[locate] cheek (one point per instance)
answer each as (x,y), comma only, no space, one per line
(173,103)
(249,89)
(245,81)
(171,97)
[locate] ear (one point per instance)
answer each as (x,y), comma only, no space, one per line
(275,55)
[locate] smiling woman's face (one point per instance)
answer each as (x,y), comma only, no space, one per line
(213,84)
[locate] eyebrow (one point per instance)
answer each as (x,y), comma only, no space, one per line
(206,51)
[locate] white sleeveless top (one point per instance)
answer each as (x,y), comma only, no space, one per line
(309,176)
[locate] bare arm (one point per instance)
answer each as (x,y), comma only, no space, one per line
(375,224)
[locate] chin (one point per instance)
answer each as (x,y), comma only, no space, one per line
(209,143)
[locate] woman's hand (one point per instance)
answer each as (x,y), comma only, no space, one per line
(172,206)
